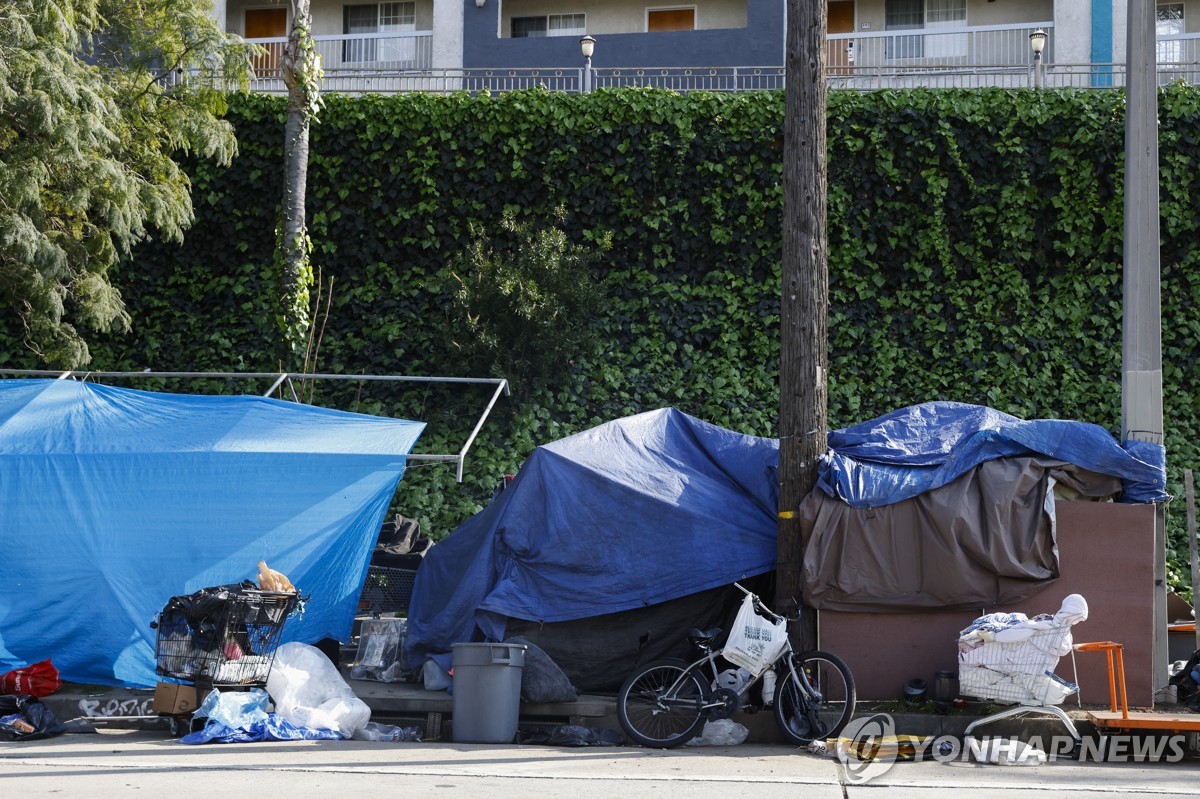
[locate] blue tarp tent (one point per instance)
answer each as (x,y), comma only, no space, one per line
(628,514)
(114,500)
(916,449)
(660,506)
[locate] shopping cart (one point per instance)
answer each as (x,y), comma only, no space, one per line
(220,638)
(1008,658)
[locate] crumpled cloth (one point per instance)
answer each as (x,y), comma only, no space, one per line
(1010,628)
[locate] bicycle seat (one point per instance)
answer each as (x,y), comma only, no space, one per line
(700,637)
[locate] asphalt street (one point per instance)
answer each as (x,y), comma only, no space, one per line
(122,763)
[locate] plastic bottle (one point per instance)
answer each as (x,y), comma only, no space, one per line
(768,687)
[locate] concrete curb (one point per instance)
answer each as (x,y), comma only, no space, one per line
(131,708)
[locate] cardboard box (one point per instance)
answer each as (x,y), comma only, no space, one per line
(174,699)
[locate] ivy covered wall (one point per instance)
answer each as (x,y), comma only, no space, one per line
(975,255)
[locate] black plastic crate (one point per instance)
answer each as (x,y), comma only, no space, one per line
(386,590)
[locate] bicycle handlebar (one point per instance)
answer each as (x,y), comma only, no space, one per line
(758,604)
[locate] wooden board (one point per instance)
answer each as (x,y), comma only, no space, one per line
(1160,722)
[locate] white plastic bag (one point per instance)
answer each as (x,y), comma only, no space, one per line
(721,732)
(308,691)
(754,642)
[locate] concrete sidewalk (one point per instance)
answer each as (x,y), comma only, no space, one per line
(119,763)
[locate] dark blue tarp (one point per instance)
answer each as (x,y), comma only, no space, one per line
(922,447)
(113,500)
(628,514)
(660,505)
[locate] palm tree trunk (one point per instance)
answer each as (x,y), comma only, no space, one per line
(293,250)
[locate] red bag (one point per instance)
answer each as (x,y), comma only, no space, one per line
(39,679)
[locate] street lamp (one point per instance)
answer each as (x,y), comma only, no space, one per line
(586,45)
(1037,40)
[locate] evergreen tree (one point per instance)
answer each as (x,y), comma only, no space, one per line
(99,99)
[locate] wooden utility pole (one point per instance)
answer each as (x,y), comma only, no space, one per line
(804,302)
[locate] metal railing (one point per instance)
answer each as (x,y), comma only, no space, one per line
(960,57)
(357,54)
(941,48)
(283,385)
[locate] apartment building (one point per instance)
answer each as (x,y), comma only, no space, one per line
(871,43)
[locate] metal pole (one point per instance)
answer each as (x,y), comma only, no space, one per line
(587,74)
(1141,362)
(1037,70)
(1189,492)
(1141,351)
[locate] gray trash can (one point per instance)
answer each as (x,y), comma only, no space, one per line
(487,692)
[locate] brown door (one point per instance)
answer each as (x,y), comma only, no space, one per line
(267,23)
(671,19)
(840,53)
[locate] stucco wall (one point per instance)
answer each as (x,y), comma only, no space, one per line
(979,12)
(756,42)
(327,14)
(235,16)
(1008,12)
(625,16)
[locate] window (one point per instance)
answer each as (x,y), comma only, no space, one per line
(902,15)
(1168,21)
(552,25)
(670,19)
(926,15)
(379,18)
(945,14)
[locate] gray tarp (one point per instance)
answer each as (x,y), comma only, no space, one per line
(983,540)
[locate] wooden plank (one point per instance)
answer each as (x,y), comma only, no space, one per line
(401,699)
(1162,722)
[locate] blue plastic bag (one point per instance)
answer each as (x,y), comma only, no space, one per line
(234,709)
(272,728)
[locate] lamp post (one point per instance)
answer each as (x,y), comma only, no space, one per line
(586,45)
(1037,40)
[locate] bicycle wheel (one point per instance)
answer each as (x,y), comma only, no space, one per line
(804,717)
(653,719)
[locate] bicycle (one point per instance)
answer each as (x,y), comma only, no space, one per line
(666,703)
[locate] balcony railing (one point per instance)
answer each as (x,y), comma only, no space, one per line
(961,57)
(966,57)
(349,55)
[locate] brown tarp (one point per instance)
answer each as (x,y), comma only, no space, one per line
(984,540)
